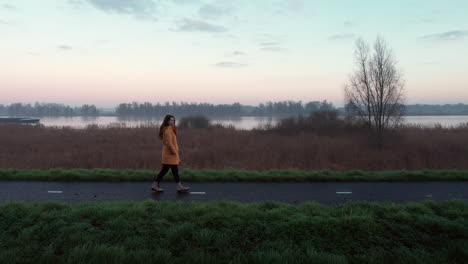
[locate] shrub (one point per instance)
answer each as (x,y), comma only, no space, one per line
(198,121)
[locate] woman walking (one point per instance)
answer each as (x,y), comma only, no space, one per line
(170,154)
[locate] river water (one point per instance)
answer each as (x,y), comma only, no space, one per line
(243,122)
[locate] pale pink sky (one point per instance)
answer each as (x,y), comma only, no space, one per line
(108,52)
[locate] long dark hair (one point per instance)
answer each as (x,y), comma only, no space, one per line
(164,124)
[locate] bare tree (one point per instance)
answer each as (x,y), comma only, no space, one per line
(375,92)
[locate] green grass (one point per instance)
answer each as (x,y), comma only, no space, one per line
(234,175)
(230,232)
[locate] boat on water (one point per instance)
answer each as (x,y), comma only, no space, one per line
(19,120)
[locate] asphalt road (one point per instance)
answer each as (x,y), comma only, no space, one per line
(322,192)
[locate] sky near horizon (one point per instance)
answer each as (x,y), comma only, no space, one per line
(105,52)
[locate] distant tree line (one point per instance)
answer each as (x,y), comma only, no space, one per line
(236,109)
(189,109)
(430,109)
(47,109)
(292,107)
(158,109)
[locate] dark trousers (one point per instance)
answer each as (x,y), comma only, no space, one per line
(165,169)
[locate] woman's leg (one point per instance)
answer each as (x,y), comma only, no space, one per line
(175,173)
(162,172)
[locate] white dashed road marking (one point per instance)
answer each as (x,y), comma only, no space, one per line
(197,193)
(344,192)
(54,191)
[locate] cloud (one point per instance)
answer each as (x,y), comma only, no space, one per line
(269,43)
(343,36)
(427,20)
(185,2)
(7,6)
(296,5)
(268,38)
(271,46)
(76,3)
(276,49)
(226,36)
(230,64)
(212,12)
(348,23)
(64,47)
(138,8)
(448,35)
(426,63)
(3,22)
(238,53)
(193,25)
(288,6)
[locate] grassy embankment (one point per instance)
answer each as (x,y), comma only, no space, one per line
(233,175)
(229,232)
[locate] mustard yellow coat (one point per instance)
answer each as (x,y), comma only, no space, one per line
(170,150)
